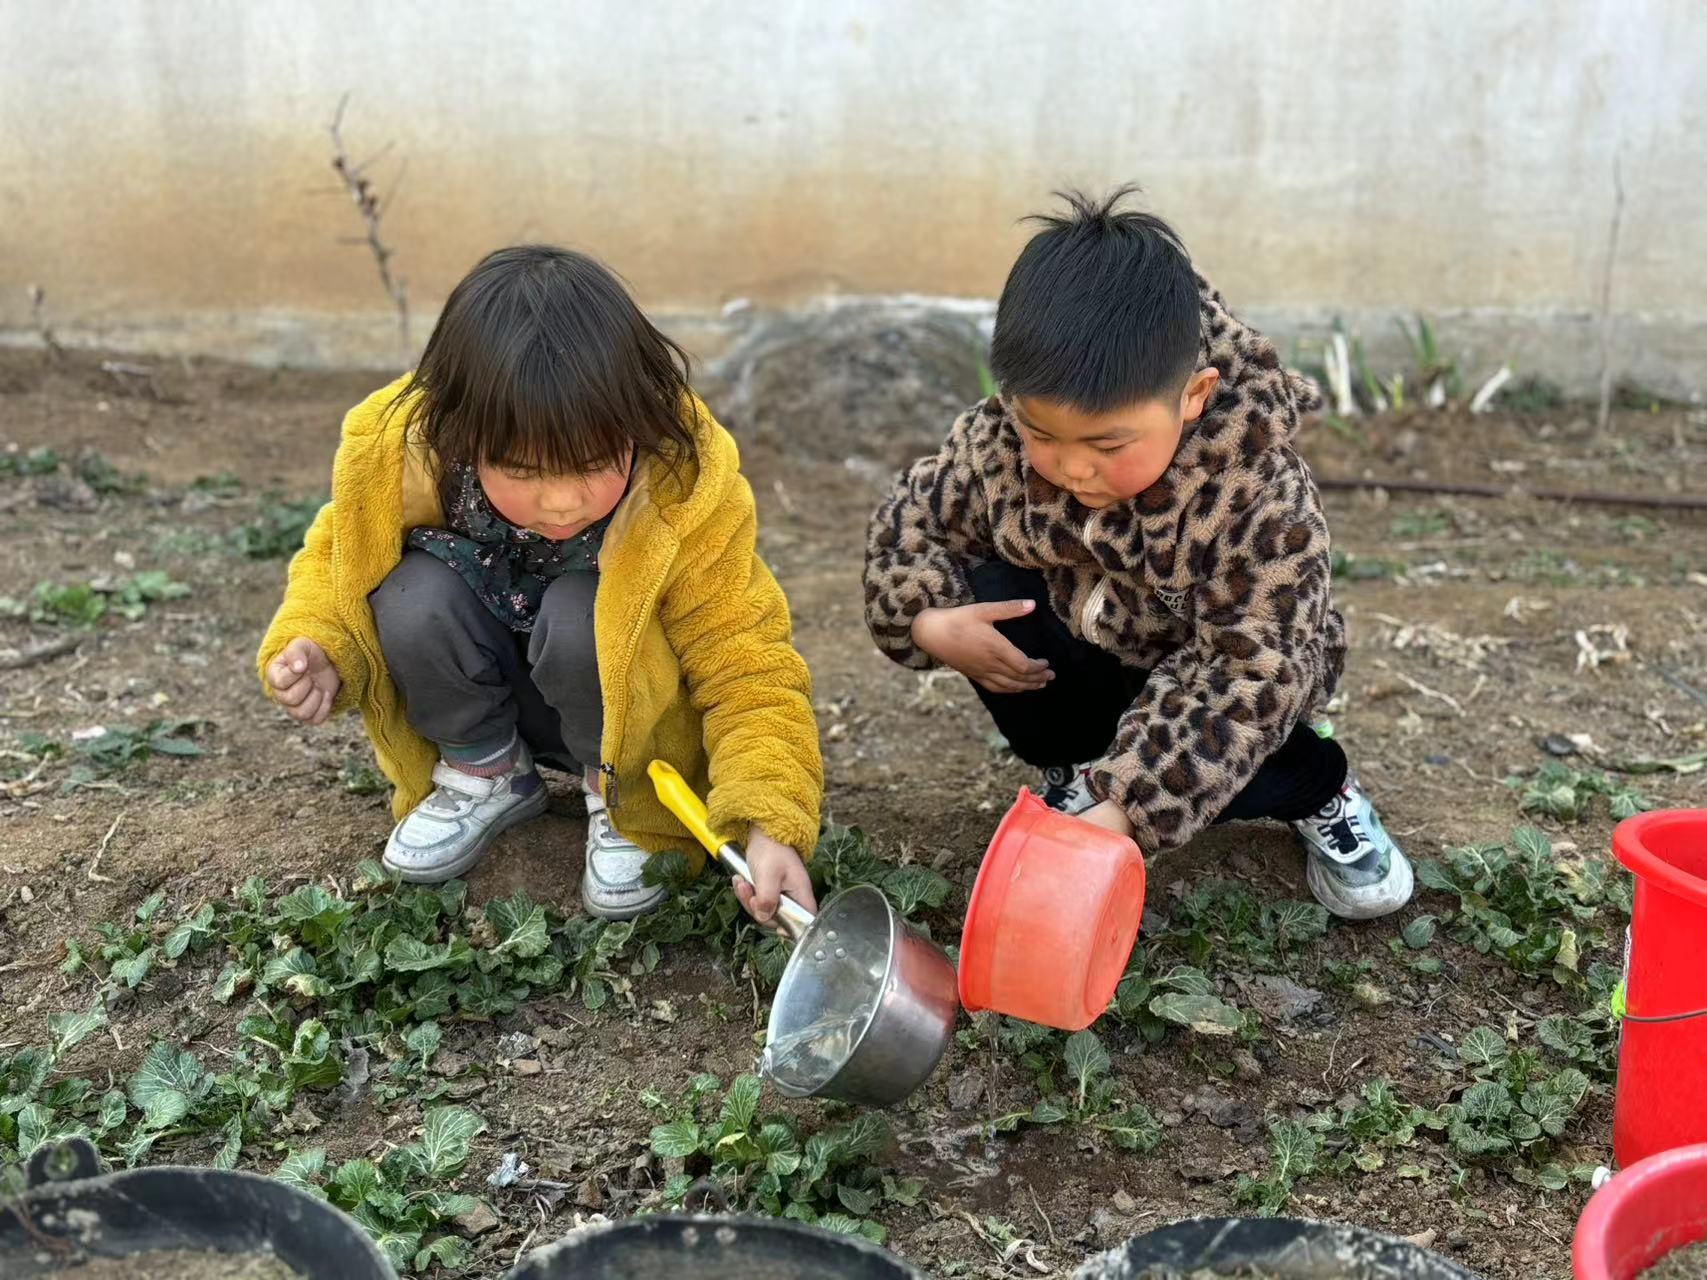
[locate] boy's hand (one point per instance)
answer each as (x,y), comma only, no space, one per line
(967,640)
(777,870)
(303,681)
(1110,817)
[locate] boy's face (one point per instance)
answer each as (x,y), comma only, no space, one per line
(1105,458)
(554,507)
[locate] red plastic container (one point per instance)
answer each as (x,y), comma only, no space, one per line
(1052,918)
(1656,1205)
(1662,1054)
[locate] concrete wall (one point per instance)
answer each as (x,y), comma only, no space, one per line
(164,175)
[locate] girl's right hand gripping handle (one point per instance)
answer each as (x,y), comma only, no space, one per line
(681,800)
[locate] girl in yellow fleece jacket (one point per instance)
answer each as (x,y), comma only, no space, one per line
(540,548)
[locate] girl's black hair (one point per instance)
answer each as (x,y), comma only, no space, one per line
(1100,310)
(541,360)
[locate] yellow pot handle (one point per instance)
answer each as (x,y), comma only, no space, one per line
(681,800)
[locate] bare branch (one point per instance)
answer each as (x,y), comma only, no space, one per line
(38,318)
(372,210)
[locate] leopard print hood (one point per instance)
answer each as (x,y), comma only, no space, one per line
(1215,579)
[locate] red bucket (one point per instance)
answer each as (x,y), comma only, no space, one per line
(1052,918)
(1662,1053)
(1656,1205)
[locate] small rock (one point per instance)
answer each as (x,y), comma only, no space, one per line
(556,1037)
(1125,1203)
(1369,995)
(1171,1119)
(61,494)
(477,1221)
(449,1063)
(965,1088)
(1243,864)
(1246,1066)
(526,1066)
(1227,1112)
(26,895)
(1279,997)
(590,1195)
(1200,1169)
(124,559)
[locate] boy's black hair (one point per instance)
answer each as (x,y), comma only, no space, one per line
(1100,310)
(540,360)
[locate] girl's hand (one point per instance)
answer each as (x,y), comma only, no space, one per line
(777,870)
(966,639)
(303,681)
(1110,817)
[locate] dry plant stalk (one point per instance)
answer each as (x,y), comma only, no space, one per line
(372,207)
(38,318)
(1604,418)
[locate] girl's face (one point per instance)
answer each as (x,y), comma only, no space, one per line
(554,507)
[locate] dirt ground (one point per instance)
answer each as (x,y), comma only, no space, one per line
(1465,655)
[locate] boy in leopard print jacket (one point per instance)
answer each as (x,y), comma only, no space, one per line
(1125,555)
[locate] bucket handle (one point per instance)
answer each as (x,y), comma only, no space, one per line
(681,800)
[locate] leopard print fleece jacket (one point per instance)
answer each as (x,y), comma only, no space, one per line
(1215,579)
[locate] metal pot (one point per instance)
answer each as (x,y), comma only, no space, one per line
(711,1248)
(72,1212)
(1285,1248)
(866,1006)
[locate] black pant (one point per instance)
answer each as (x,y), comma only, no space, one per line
(1073,718)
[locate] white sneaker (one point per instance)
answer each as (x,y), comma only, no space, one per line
(449,831)
(613,885)
(1067,789)
(1353,867)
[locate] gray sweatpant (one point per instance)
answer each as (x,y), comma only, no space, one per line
(468,680)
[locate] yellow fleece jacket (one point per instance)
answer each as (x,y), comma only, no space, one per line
(694,645)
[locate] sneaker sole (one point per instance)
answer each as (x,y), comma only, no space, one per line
(619,913)
(529,809)
(1395,891)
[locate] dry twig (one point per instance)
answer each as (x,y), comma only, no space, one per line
(38,318)
(91,873)
(1422,688)
(372,208)
(1605,416)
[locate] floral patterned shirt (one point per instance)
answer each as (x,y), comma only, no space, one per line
(507,567)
